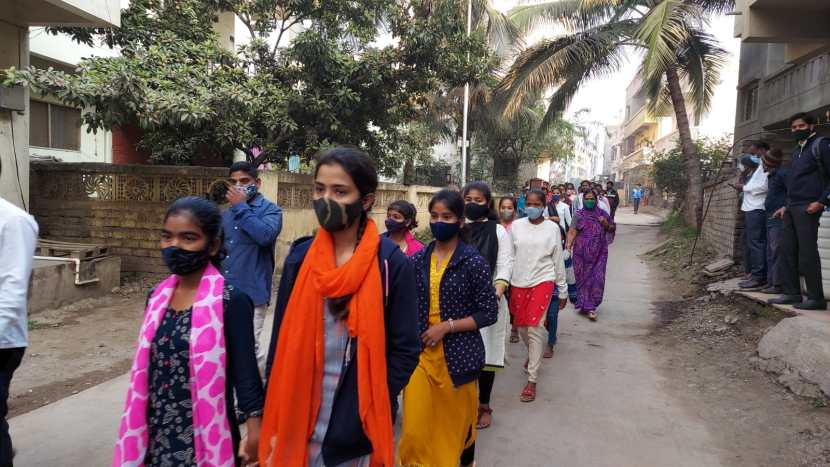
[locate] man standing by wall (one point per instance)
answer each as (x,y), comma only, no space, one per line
(776,200)
(251,227)
(755,225)
(613,197)
(18,238)
(636,196)
(807,196)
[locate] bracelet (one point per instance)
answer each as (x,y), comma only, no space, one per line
(452,326)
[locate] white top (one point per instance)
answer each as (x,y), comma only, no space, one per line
(504,260)
(18,239)
(755,190)
(564,214)
(538,255)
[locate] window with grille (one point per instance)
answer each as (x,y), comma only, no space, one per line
(54,126)
(749,102)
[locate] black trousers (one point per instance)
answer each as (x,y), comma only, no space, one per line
(9,361)
(799,250)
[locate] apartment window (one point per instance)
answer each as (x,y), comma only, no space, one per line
(749,102)
(54,126)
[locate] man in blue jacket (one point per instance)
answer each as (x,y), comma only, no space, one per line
(251,226)
(808,193)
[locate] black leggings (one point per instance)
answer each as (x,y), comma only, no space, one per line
(485,386)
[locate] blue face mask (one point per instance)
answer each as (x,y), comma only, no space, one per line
(533,213)
(444,231)
(755,159)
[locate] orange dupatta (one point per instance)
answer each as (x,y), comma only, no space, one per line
(295,383)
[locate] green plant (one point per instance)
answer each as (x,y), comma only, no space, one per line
(424,235)
(669,168)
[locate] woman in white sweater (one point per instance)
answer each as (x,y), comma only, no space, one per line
(537,268)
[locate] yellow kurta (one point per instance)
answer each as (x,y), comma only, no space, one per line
(438,418)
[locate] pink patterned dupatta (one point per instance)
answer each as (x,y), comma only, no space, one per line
(211,431)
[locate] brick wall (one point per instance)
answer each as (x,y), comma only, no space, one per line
(124,141)
(723,225)
(122,206)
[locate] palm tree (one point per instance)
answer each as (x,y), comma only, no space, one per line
(678,55)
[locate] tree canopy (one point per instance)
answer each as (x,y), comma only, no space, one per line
(357,73)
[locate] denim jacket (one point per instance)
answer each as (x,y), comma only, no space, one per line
(251,231)
(466,290)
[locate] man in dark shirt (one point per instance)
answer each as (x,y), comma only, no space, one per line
(775,201)
(613,198)
(807,196)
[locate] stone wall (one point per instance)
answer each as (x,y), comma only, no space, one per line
(723,225)
(122,206)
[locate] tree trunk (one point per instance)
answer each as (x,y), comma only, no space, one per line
(694,195)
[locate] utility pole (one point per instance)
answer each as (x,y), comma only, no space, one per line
(464,143)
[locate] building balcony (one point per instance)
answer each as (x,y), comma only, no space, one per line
(782,20)
(642,156)
(797,88)
(640,120)
(83,13)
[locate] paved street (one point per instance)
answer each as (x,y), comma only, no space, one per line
(601,401)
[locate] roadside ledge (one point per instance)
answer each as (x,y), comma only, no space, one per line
(797,349)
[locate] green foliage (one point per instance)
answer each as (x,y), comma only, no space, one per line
(669,168)
(676,225)
(332,84)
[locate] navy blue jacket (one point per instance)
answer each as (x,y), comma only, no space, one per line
(804,182)
(345,439)
(777,191)
(466,290)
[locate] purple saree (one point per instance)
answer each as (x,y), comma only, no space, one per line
(590,256)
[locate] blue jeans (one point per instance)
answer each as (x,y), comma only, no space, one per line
(553,320)
(755,228)
(774,233)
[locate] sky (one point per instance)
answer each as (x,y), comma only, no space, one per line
(605,98)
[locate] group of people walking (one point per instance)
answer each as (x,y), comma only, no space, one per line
(360,317)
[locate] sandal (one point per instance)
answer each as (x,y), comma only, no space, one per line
(529,393)
(527,362)
(592,315)
(484,413)
(548,352)
(514,336)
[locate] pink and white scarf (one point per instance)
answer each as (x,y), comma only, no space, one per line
(211,431)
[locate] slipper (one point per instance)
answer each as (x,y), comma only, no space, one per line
(529,393)
(548,352)
(484,413)
(514,336)
(592,315)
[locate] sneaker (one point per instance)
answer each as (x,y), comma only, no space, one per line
(811,305)
(785,300)
(771,290)
(751,284)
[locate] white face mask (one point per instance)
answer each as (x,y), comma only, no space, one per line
(533,213)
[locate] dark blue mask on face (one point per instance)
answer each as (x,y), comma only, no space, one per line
(443,231)
(393,226)
(181,262)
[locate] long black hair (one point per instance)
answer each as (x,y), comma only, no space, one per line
(207,216)
(364,174)
(407,210)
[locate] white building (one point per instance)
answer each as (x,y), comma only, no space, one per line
(16,18)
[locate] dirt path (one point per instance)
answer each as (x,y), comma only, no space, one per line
(76,347)
(705,346)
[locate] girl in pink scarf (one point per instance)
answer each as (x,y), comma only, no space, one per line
(196,347)
(401,219)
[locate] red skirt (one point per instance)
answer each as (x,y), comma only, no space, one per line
(529,305)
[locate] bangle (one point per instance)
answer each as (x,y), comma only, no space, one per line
(452,326)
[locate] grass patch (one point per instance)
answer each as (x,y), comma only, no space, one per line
(676,225)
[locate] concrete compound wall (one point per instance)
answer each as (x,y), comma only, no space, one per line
(53,283)
(122,206)
(723,225)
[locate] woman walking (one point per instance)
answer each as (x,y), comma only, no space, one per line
(401,220)
(196,347)
(492,241)
(507,212)
(456,298)
(537,268)
(345,337)
(591,233)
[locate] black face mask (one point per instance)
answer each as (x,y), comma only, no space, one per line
(334,216)
(801,135)
(475,211)
(182,262)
